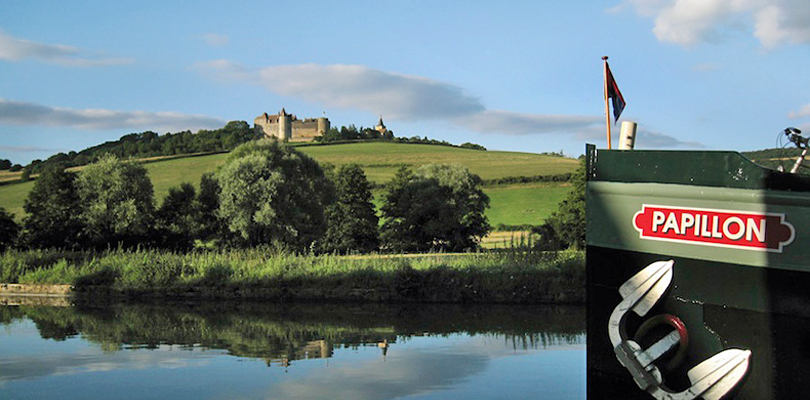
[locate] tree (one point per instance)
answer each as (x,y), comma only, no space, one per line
(473,146)
(352,220)
(209,225)
(5,164)
(440,207)
(117,202)
(177,219)
(565,227)
(53,210)
(271,193)
(26,174)
(235,133)
(8,229)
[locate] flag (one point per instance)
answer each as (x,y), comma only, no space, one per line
(614,94)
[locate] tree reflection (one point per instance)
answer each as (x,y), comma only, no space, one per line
(283,333)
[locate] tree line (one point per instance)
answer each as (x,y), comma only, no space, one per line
(265,194)
(150,144)
(352,133)
(233,134)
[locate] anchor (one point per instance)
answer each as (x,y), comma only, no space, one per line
(711,379)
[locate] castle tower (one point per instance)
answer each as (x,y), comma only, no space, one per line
(381,127)
(284,125)
(323,126)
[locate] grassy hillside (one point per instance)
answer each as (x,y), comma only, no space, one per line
(381,160)
(524,204)
(511,204)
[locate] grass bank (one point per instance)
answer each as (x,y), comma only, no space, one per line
(512,276)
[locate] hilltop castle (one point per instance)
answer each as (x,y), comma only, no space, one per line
(289,128)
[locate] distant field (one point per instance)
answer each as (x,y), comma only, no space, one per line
(524,204)
(505,240)
(12,197)
(511,205)
(381,160)
(8,176)
(170,173)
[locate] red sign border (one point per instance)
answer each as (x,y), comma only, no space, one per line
(700,243)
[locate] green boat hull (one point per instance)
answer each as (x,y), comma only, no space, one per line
(739,235)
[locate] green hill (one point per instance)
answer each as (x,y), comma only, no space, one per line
(381,160)
(777,157)
(514,204)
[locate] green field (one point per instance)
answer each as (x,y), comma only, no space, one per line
(524,204)
(510,204)
(381,160)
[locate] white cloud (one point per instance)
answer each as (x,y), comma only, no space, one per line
(803,112)
(785,21)
(402,97)
(394,95)
(513,123)
(645,137)
(648,139)
(216,39)
(22,113)
(690,22)
(27,149)
(14,49)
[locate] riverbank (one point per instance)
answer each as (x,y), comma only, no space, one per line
(514,276)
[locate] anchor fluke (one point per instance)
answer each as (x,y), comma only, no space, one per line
(650,283)
(715,377)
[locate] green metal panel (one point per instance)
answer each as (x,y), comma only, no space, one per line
(612,206)
(620,183)
(699,168)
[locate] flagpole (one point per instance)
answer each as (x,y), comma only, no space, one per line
(607,107)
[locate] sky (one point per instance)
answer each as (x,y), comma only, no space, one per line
(514,75)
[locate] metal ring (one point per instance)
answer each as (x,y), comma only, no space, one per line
(675,322)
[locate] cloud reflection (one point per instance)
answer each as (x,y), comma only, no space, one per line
(408,370)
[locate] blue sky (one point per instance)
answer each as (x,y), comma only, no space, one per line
(515,75)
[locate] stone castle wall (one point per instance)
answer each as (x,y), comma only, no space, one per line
(297,130)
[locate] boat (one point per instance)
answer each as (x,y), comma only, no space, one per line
(698,277)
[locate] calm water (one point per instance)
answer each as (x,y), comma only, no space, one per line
(270,351)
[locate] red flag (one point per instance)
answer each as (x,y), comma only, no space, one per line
(614,94)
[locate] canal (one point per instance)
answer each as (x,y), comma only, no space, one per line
(215,350)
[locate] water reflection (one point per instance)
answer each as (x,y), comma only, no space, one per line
(376,351)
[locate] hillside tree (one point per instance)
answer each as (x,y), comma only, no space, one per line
(352,220)
(177,218)
(440,207)
(565,227)
(53,211)
(8,229)
(206,205)
(272,193)
(117,202)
